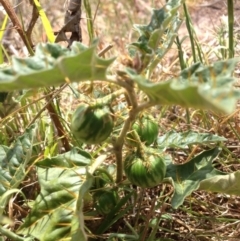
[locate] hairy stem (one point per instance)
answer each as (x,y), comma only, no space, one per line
(135,108)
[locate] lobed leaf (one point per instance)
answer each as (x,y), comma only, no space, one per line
(13,161)
(227,184)
(53,64)
(187,177)
(55,214)
(173,139)
(201,87)
(75,157)
(199,174)
(157,37)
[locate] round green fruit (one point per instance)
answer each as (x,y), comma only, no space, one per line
(147,171)
(105,201)
(146,128)
(92,124)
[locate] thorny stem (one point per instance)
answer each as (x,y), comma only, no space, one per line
(12,15)
(140,146)
(117,82)
(119,141)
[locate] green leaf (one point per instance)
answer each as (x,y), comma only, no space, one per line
(53,64)
(174,139)
(3,96)
(227,184)
(202,87)
(187,177)
(13,161)
(78,231)
(53,216)
(116,213)
(157,37)
(75,157)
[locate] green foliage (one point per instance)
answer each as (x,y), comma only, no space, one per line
(115,214)
(173,139)
(14,160)
(59,200)
(186,178)
(157,37)
(101,178)
(201,87)
(226,183)
(54,65)
(13,169)
(75,184)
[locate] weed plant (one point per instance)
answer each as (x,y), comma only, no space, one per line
(41,160)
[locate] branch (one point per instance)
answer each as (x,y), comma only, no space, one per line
(33,20)
(12,15)
(55,119)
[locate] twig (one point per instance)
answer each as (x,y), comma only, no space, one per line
(150,214)
(51,97)
(33,20)
(103,51)
(118,143)
(52,112)
(60,130)
(12,15)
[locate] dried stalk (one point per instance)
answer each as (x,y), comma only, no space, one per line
(13,16)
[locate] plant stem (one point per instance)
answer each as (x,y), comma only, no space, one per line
(10,234)
(12,15)
(150,214)
(230,28)
(190,31)
(180,54)
(55,119)
(108,98)
(103,51)
(89,20)
(118,143)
